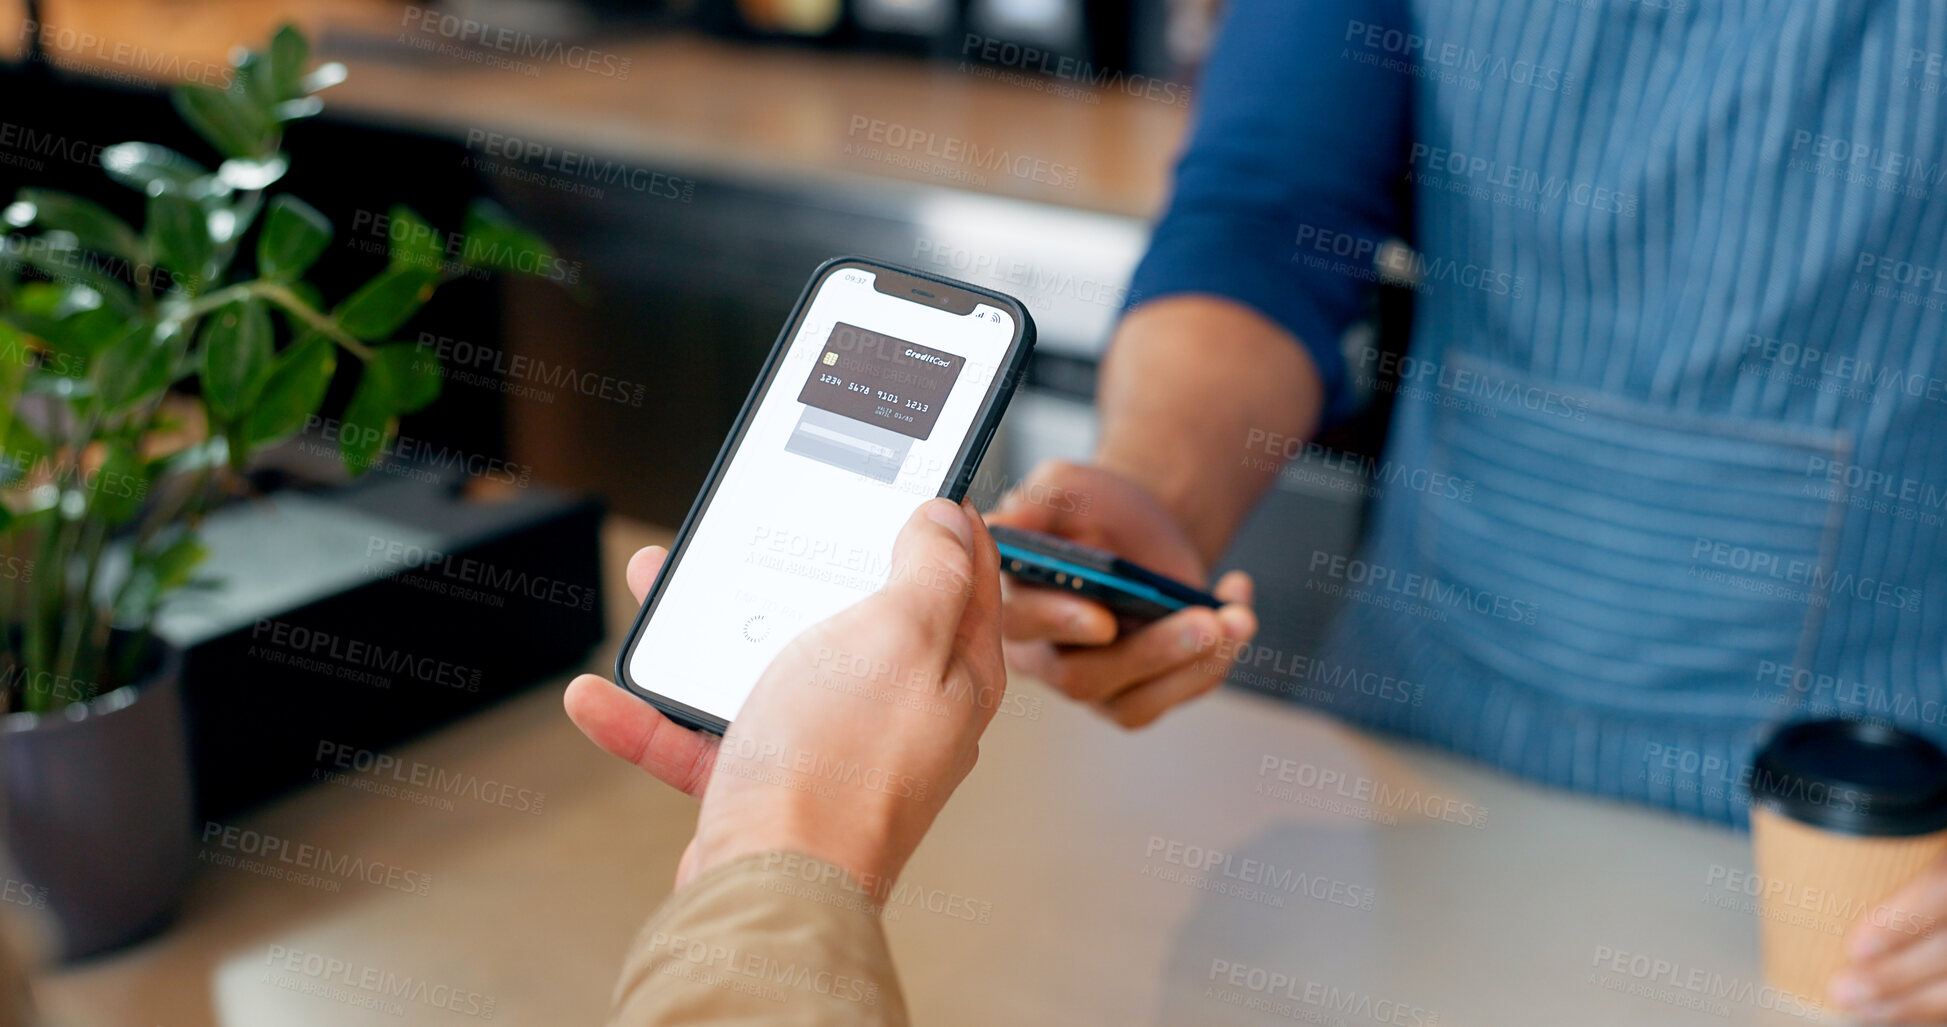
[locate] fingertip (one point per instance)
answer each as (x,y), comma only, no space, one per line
(1848,990)
(588,701)
(1015,511)
(1235,587)
(987,557)
(1197,629)
(1032,611)
(949,515)
(576,693)
(1237,621)
(1867,944)
(934,575)
(1089,624)
(643,567)
(1052,467)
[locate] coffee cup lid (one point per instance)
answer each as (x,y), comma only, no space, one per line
(1853,776)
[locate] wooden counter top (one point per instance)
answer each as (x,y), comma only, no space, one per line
(681,101)
(1112,878)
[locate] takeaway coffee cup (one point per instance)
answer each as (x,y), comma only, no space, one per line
(1843,813)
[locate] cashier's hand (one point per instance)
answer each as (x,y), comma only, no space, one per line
(1898,951)
(1071,643)
(860,729)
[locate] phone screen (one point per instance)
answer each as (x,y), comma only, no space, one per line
(862,420)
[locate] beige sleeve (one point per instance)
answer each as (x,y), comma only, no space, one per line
(16,1001)
(770,939)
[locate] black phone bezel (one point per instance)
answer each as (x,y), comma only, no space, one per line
(959,477)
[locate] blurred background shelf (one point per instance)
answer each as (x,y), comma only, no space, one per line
(693,193)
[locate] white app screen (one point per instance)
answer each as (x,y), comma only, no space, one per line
(860,425)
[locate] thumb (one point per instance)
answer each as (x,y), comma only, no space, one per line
(932,573)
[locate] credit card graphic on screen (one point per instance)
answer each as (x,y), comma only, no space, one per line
(868,397)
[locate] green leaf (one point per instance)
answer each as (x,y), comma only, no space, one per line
(495,240)
(325,76)
(91,223)
(152,169)
(54,299)
(297,110)
(119,485)
(44,309)
(289,52)
(80,336)
(293,238)
(230,221)
(60,256)
(44,298)
(295,388)
(16,356)
(397,380)
(251,82)
(368,419)
(412,243)
(21,451)
(179,236)
(154,573)
(250,174)
(412,375)
(177,561)
(20,448)
(228,120)
(212,452)
(236,356)
(135,367)
(381,305)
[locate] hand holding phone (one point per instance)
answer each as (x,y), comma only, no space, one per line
(855,734)
(1076,644)
(883,390)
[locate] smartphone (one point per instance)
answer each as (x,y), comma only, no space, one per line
(1134,593)
(882,391)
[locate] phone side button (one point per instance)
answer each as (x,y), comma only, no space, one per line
(973,465)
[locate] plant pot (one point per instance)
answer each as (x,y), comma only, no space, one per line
(97,811)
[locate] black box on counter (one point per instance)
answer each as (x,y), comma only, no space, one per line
(354,617)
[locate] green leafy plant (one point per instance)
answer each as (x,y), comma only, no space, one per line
(140,370)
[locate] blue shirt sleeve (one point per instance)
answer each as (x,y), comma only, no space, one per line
(1299,132)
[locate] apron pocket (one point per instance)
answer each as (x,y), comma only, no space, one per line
(1620,555)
